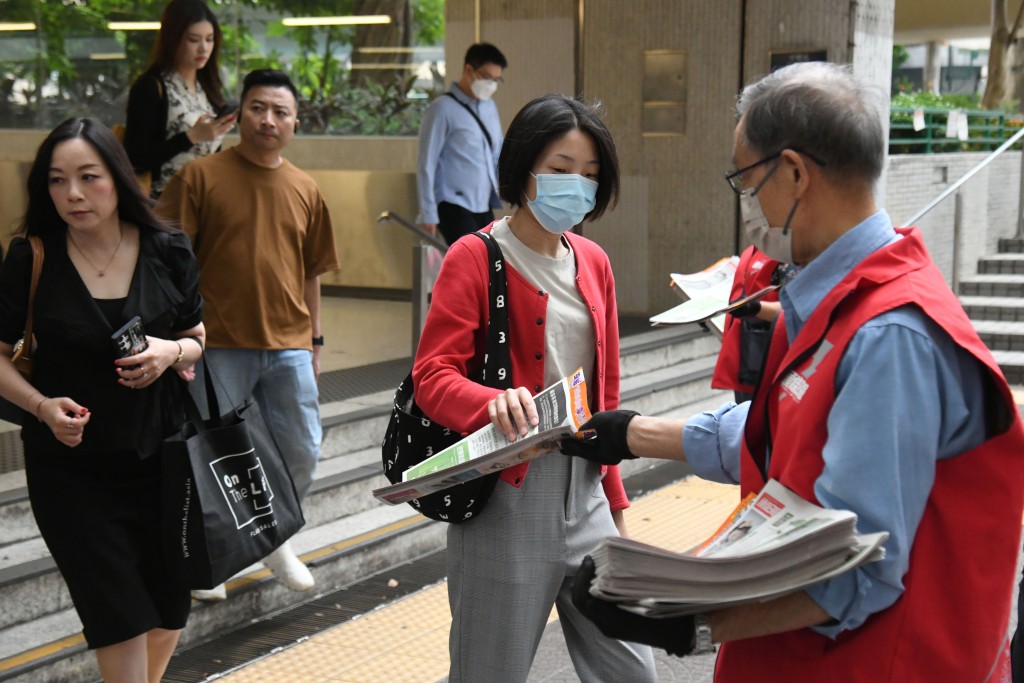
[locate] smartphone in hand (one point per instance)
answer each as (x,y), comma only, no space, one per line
(130,339)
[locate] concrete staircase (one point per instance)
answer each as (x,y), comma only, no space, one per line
(348,534)
(994,300)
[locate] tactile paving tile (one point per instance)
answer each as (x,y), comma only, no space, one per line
(407,640)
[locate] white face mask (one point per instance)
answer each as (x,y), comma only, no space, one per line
(775,243)
(483,88)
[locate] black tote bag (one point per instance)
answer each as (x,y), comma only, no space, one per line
(412,437)
(228,499)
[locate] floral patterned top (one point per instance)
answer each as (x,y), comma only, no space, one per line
(184,108)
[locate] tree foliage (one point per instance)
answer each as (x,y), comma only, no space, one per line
(46,75)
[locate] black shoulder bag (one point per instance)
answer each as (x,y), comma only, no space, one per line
(411,437)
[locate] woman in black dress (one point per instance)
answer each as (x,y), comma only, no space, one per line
(93,421)
(176,108)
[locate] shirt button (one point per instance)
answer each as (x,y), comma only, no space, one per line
(540,321)
(593,308)
(598,343)
(519,480)
(536,389)
(538,356)
(540,292)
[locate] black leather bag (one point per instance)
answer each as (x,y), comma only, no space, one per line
(755,335)
(228,500)
(412,437)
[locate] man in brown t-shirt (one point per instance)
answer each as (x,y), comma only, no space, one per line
(262,235)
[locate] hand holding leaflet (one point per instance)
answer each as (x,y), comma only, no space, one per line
(561,408)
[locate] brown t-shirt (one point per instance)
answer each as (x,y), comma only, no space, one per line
(258,234)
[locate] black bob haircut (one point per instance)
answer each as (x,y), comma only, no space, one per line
(271,78)
(41,216)
(540,123)
(479,54)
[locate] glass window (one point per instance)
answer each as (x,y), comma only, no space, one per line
(362,67)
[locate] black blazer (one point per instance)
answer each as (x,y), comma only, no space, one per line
(75,353)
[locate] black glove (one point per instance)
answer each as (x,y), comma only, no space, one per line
(747,310)
(673,635)
(609,447)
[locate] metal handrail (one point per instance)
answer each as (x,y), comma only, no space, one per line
(432,240)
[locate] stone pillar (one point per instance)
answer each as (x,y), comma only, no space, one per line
(932,67)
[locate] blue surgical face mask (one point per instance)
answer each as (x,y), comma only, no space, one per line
(563,200)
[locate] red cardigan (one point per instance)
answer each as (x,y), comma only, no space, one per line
(455,336)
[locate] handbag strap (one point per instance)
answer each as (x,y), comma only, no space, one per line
(497,368)
(37,268)
(490,144)
(192,412)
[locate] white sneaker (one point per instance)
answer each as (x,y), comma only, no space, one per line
(288,569)
(215,594)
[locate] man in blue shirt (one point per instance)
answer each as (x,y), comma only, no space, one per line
(909,394)
(460,139)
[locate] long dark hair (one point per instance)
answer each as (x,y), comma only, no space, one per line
(174,23)
(133,207)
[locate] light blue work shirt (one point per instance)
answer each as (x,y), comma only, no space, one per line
(456,164)
(906,396)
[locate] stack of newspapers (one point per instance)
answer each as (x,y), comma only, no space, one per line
(774,543)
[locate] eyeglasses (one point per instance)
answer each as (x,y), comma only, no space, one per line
(499,80)
(735,178)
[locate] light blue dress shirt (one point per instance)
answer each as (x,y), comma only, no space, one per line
(456,164)
(906,396)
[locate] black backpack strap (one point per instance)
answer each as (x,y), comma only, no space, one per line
(477,119)
(497,368)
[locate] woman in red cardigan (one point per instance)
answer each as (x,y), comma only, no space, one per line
(510,564)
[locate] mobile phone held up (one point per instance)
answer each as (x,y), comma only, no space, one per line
(130,339)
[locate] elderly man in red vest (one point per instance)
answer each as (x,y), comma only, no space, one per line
(877,397)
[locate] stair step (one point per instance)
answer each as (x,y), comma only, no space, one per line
(1007,308)
(1002,264)
(1012,365)
(348,533)
(993,285)
(337,554)
(1011,245)
(1001,335)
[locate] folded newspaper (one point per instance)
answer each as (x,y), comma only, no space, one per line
(706,296)
(562,408)
(772,544)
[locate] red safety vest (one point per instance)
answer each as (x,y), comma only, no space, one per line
(753,273)
(950,623)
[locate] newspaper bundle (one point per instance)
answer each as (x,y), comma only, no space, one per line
(561,409)
(706,296)
(773,544)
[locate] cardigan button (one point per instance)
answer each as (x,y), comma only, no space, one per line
(538,356)
(519,480)
(537,389)
(593,308)
(540,292)
(540,321)
(598,343)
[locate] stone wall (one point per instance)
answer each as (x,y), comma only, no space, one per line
(989,199)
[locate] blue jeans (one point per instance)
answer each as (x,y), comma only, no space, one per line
(284,387)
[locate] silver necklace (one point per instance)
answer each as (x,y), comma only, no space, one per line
(99,271)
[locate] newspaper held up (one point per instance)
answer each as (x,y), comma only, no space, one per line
(706,297)
(773,543)
(561,409)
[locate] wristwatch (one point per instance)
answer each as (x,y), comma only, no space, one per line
(702,643)
(318,341)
